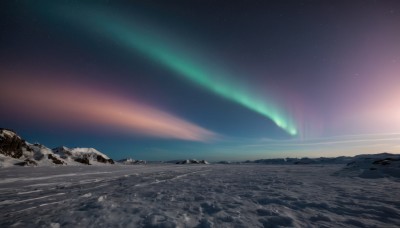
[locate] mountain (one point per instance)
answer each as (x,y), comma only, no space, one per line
(192,161)
(300,161)
(130,161)
(14,150)
(88,156)
(12,145)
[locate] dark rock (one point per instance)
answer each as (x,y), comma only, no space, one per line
(55,159)
(130,161)
(101,159)
(27,162)
(84,160)
(62,152)
(192,161)
(386,161)
(11,145)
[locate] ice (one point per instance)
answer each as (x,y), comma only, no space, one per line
(216,195)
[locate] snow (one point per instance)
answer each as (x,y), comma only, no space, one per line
(7,133)
(216,195)
(71,155)
(42,156)
(80,151)
(131,161)
(16,151)
(6,161)
(373,166)
(192,161)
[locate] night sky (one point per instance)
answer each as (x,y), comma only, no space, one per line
(215,80)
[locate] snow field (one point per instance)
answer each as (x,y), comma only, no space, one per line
(167,195)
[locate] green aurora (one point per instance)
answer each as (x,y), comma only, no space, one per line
(175,58)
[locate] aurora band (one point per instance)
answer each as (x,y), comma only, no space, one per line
(164,51)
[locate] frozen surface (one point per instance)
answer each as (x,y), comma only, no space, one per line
(195,196)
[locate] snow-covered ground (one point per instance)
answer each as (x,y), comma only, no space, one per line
(168,195)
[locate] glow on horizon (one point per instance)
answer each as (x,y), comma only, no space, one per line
(63,102)
(184,64)
(346,145)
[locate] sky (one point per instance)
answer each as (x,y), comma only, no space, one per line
(214,80)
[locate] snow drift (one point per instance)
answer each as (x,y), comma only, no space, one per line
(373,166)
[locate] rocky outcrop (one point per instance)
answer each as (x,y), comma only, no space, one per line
(16,151)
(104,160)
(55,159)
(130,161)
(63,152)
(83,161)
(385,161)
(11,145)
(87,156)
(192,161)
(27,162)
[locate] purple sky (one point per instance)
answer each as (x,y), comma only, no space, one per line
(219,81)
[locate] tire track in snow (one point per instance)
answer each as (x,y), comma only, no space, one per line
(34,207)
(19,179)
(7,202)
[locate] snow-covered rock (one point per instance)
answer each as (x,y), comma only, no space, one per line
(12,145)
(373,166)
(14,150)
(87,156)
(45,156)
(192,161)
(130,161)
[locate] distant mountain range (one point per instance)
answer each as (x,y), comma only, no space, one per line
(192,161)
(14,150)
(130,161)
(302,161)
